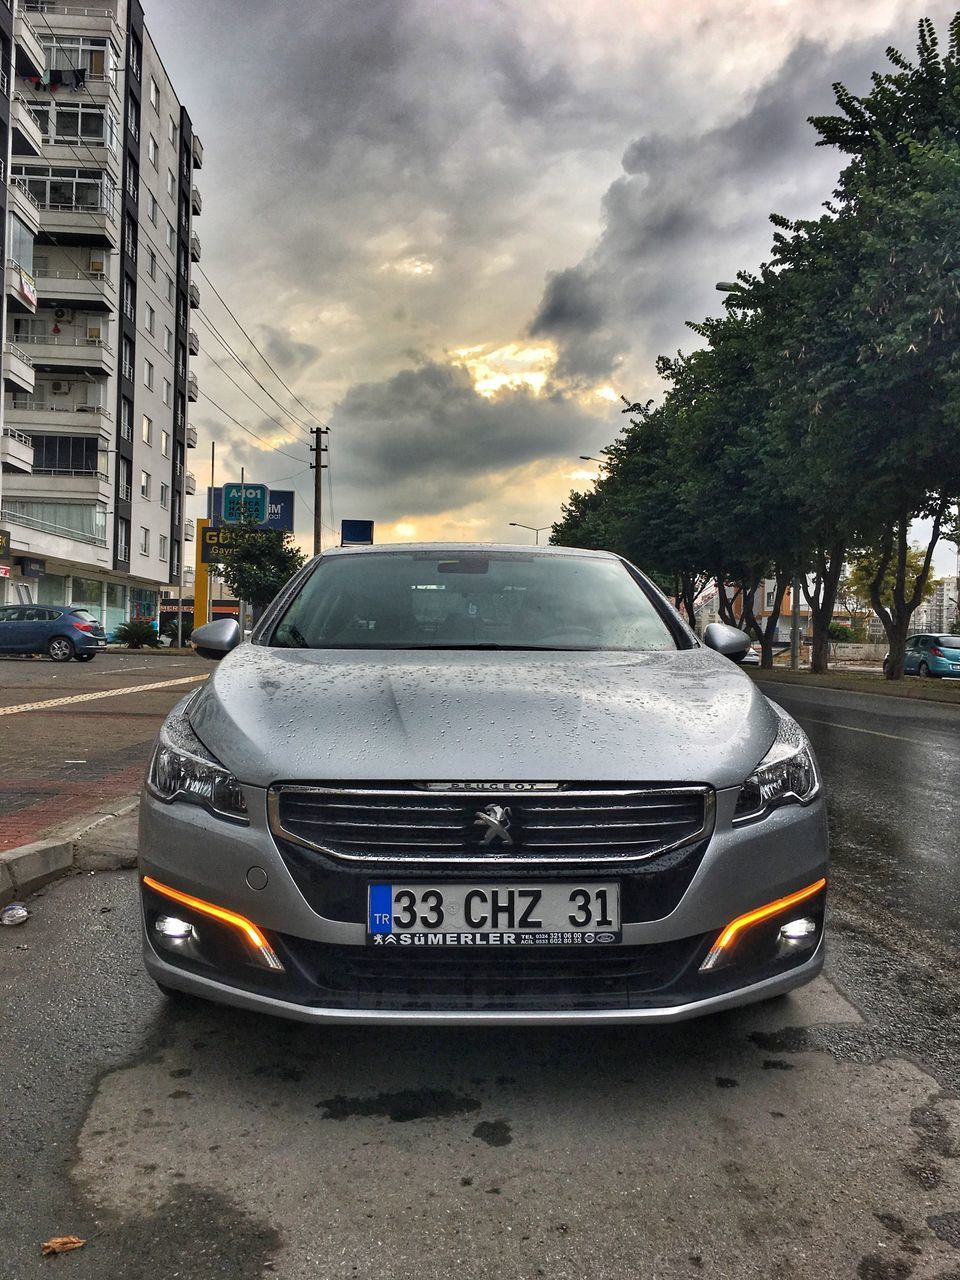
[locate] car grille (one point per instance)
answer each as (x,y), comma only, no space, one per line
(559,979)
(567,823)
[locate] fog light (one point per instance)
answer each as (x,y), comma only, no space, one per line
(174,928)
(796,932)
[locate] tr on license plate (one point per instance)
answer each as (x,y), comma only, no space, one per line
(493,915)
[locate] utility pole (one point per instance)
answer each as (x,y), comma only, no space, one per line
(318,466)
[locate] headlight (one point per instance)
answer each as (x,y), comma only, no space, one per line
(183,769)
(786,775)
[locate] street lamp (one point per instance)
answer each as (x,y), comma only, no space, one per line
(515,524)
(588,457)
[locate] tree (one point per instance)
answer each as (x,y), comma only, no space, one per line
(255,563)
(874,574)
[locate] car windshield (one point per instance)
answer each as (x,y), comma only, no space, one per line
(471,600)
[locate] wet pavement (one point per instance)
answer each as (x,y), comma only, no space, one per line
(818,1136)
(75,736)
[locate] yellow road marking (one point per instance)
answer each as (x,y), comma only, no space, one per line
(90,697)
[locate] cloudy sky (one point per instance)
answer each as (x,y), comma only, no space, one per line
(460,229)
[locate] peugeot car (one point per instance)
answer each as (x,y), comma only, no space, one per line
(459,783)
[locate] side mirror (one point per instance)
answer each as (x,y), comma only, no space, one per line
(730,641)
(214,640)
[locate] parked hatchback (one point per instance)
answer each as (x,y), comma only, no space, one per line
(452,783)
(930,655)
(58,630)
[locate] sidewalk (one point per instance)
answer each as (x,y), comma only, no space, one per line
(103,839)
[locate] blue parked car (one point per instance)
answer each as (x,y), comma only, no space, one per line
(931,655)
(58,630)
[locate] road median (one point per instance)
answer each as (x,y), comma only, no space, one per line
(931,690)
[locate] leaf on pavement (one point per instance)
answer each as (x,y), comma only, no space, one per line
(61,1244)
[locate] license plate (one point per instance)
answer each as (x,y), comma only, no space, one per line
(494,915)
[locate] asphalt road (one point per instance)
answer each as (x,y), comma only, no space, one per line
(74,736)
(815,1137)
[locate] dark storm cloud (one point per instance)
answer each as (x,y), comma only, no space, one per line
(690,209)
(426,442)
(287,352)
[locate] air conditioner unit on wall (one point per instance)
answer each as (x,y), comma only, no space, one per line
(60,388)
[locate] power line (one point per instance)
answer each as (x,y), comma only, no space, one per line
(209,325)
(313,414)
(248,430)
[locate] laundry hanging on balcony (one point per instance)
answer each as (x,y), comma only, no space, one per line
(56,78)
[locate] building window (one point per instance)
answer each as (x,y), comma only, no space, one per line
(67,187)
(175,562)
(163,547)
(164,496)
(769,599)
(129,298)
(123,538)
(135,55)
(172,132)
(125,479)
(171,185)
(165,443)
(133,178)
(146,428)
(144,541)
(130,237)
(149,317)
(133,119)
(171,236)
(151,264)
(95,55)
(154,95)
(126,419)
(168,341)
(148,374)
(167,391)
(171,287)
(127,358)
(144,484)
(152,207)
(153,151)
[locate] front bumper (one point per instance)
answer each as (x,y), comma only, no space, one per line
(330,975)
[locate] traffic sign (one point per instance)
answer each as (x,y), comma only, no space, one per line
(244,502)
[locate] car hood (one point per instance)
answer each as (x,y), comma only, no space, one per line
(288,715)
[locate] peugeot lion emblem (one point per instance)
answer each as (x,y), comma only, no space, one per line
(496,821)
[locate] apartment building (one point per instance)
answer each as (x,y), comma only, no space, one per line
(100,201)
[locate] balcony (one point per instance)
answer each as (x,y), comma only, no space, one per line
(191,437)
(78,20)
(194,248)
(196,201)
(193,343)
(27,134)
(47,546)
(24,204)
(194,295)
(188,531)
(197,152)
(193,388)
(60,354)
(21,289)
(18,374)
(84,290)
(190,483)
(68,224)
(68,486)
(31,57)
(63,413)
(16,451)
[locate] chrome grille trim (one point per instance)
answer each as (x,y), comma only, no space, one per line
(653,836)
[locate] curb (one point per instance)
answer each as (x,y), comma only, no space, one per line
(83,848)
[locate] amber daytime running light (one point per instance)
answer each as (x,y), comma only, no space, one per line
(736,927)
(249,930)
